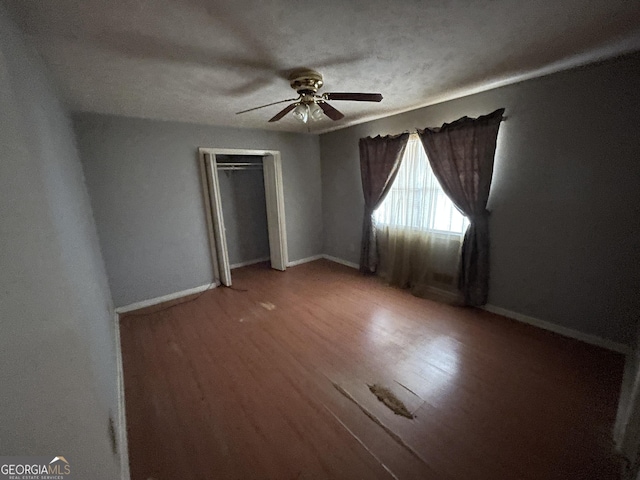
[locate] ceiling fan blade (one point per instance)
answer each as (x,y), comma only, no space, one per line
(268,105)
(283,112)
(330,112)
(354,97)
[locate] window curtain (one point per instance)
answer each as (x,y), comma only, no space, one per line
(380,159)
(461,155)
(418,229)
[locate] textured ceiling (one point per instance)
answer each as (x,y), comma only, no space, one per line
(202,61)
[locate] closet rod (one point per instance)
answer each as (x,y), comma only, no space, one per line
(240,164)
(235,167)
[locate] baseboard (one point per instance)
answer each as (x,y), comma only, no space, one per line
(326,257)
(341,261)
(304,260)
(249,262)
(565,331)
(123,445)
(164,298)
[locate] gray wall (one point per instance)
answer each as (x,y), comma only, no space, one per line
(57,357)
(244,210)
(565,199)
(144,183)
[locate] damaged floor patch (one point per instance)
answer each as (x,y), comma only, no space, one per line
(387,397)
(267,305)
(391,433)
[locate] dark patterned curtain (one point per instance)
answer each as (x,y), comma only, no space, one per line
(380,159)
(461,155)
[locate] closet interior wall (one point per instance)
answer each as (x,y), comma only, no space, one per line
(243,208)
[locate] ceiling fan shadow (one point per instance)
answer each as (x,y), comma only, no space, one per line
(228,17)
(285,73)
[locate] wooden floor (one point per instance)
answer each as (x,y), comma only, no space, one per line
(242,385)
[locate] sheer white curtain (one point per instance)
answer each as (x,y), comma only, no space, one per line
(419,229)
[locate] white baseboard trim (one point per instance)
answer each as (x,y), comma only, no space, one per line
(123,445)
(341,261)
(164,298)
(249,262)
(304,260)
(565,331)
(326,257)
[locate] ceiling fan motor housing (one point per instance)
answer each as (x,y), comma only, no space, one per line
(306,82)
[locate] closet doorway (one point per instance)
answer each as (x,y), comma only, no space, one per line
(232,183)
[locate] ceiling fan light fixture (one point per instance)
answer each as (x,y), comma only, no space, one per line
(301,112)
(311,105)
(315,112)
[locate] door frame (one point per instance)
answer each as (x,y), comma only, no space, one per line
(274,199)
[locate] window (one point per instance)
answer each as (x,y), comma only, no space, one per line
(416,201)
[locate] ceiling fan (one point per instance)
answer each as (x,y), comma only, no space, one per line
(310,105)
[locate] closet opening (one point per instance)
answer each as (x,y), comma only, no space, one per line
(244,203)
